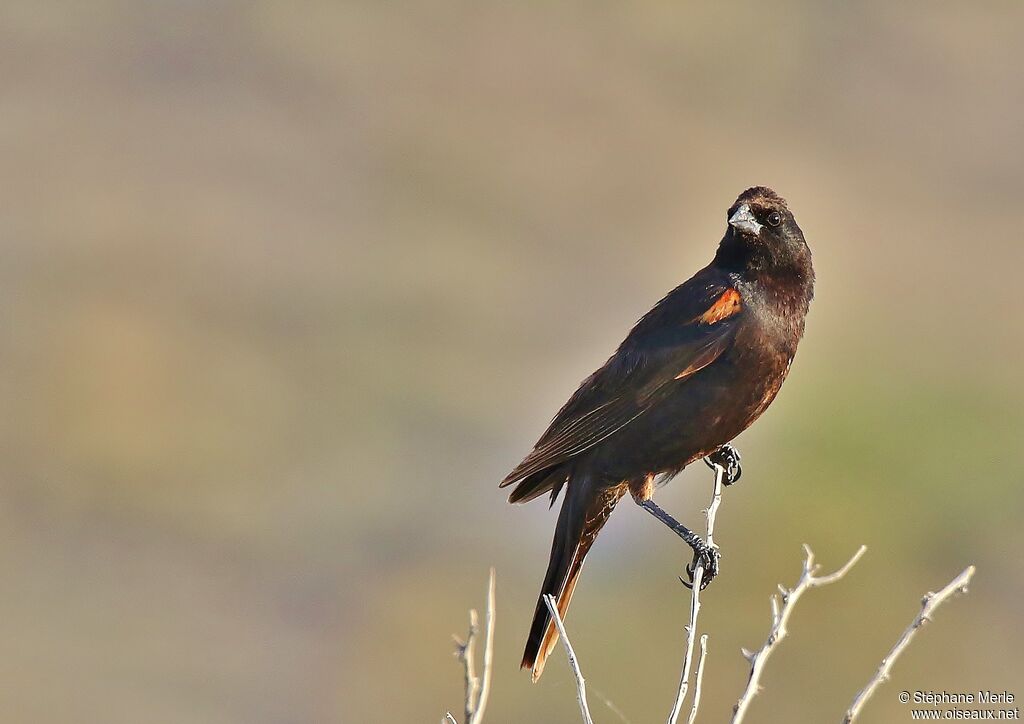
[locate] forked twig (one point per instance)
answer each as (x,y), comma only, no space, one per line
(465,652)
(929,603)
(698,579)
(780,617)
(698,679)
(477,689)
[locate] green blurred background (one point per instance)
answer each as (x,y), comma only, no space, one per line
(289,287)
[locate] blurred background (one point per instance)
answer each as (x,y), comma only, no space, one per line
(288,289)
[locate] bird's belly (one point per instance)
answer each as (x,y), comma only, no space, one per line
(703,413)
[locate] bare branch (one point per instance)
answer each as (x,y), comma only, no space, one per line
(477,693)
(782,605)
(485,686)
(698,679)
(929,604)
(698,579)
(581,686)
(781,611)
(464,652)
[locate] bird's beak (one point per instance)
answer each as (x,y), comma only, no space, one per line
(743,220)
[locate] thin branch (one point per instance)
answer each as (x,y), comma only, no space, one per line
(929,604)
(448,719)
(780,617)
(698,579)
(477,692)
(699,678)
(485,686)
(581,686)
(464,652)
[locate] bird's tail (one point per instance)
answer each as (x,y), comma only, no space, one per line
(585,509)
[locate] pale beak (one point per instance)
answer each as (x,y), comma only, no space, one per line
(743,220)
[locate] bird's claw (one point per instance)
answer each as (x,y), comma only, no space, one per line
(728,458)
(709,559)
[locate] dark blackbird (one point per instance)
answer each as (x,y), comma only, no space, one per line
(692,374)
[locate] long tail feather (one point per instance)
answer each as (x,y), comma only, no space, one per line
(584,511)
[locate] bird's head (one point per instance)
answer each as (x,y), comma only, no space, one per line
(762,232)
(761,215)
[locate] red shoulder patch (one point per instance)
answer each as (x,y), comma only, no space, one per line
(727,305)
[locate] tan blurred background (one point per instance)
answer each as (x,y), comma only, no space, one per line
(289,288)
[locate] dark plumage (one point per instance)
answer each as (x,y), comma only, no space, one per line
(693,373)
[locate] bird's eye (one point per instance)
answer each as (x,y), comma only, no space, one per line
(774,218)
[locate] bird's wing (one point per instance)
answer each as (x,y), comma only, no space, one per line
(688,330)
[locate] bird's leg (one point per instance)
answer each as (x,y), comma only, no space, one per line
(709,557)
(728,458)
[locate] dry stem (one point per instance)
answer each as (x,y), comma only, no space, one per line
(485,687)
(780,617)
(698,679)
(698,578)
(581,685)
(929,603)
(477,689)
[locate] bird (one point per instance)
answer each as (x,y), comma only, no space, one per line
(693,373)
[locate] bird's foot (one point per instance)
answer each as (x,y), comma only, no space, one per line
(705,556)
(708,558)
(728,458)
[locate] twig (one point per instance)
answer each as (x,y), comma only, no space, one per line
(929,604)
(477,692)
(448,719)
(780,617)
(698,679)
(464,653)
(485,687)
(581,686)
(698,578)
